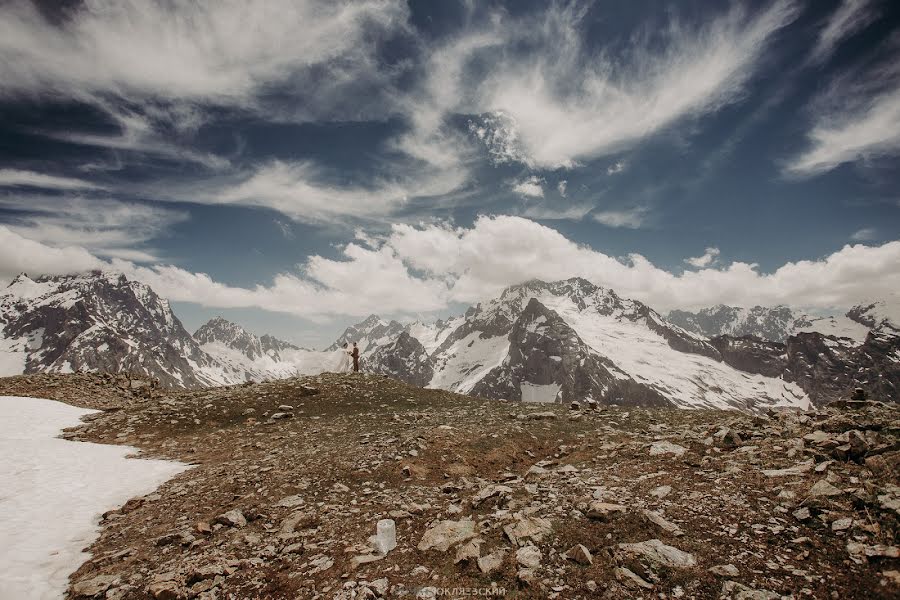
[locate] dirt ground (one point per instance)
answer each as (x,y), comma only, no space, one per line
(312,464)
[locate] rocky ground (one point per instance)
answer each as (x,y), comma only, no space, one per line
(291,478)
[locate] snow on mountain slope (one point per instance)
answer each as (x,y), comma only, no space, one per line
(249,357)
(768,323)
(687,379)
(99,322)
(837,325)
(625,341)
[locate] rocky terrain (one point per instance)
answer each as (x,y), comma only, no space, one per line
(291,478)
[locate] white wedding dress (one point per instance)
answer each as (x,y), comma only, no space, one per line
(341,361)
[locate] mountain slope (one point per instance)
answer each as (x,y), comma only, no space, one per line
(249,357)
(99,322)
(774,324)
(573,340)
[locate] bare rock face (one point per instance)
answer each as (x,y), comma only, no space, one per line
(100,322)
(404,358)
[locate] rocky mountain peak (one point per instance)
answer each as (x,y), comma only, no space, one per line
(98,321)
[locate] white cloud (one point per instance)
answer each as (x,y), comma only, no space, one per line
(103,226)
(532,187)
(21,254)
(688,71)
(864,235)
(866,128)
(499,251)
(428,268)
(631,218)
(561,188)
(308,193)
(707,259)
(855,118)
(21,178)
(573,212)
(616,168)
(849,18)
(225,52)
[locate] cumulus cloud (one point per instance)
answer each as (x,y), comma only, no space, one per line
(532,187)
(849,18)
(21,254)
(23,178)
(708,258)
(422,269)
(561,187)
(630,218)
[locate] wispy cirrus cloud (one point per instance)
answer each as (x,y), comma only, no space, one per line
(629,218)
(547,121)
(857,118)
(306,192)
(103,226)
(225,52)
(848,19)
(33,179)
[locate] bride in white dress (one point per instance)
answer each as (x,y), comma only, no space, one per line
(341,360)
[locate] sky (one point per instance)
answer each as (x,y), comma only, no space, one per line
(296,165)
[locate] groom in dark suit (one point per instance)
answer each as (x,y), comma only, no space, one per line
(355,355)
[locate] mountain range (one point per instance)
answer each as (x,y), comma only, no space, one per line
(537,342)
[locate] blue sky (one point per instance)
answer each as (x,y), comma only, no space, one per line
(298,165)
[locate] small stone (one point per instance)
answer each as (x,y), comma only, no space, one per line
(801,514)
(580,554)
(203,527)
(233,518)
(725,570)
(445,534)
(664,447)
(823,489)
(659,553)
(530,528)
(490,491)
(842,524)
(539,416)
(661,491)
(94,586)
(164,590)
(491,562)
(631,579)
(468,551)
(604,511)
(658,520)
(529,557)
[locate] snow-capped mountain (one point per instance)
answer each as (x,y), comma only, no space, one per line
(571,340)
(98,322)
(536,342)
(774,324)
(246,356)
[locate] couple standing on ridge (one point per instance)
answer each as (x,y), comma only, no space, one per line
(344,356)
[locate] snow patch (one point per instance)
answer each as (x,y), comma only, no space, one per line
(53,491)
